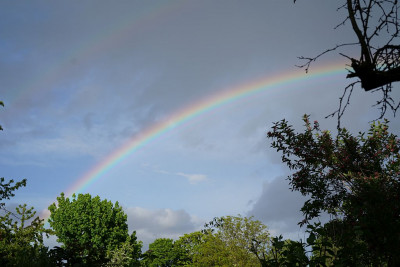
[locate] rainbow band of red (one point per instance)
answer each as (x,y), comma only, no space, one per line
(196,109)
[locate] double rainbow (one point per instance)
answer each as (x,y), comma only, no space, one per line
(194,110)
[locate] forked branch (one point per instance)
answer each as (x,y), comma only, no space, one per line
(376,24)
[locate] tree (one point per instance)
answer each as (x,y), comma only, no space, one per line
(189,247)
(225,241)
(317,250)
(214,252)
(244,233)
(231,241)
(376,25)
(21,235)
(21,242)
(287,253)
(88,227)
(7,188)
(161,252)
(127,254)
(355,179)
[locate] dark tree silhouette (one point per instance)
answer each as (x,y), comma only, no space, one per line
(353,178)
(376,24)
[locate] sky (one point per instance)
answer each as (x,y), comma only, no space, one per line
(141,99)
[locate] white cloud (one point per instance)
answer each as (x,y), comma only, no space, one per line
(193,178)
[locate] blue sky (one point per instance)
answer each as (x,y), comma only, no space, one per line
(79,79)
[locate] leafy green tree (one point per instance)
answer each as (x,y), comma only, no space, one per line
(161,252)
(214,252)
(227,241)
(21,235)
(243,235)
(355,179)
(88,227)
(7,188)
(188,246)
(127,254)
(286,253)
(21,242)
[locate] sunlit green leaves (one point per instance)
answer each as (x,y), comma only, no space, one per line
(89,227)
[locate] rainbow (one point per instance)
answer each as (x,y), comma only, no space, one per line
(220,98)
(87,49)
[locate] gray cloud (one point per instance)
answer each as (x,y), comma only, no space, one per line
(278,207)
(167,223)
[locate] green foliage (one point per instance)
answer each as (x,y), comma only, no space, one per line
(7,189)
(161,252)
(88,227)
(286,253)
(214,252)
(225,241)
(318,250)
(243,234)
(21,242)
(353,178)
(127,254)
(189,246)
(21,235)
(230,241)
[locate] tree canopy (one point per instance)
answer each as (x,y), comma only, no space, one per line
(21,239)
(232,240)
(355,179)
(88,227)
(162,252)
(225,241)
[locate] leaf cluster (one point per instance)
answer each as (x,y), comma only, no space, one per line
(164,252)
(7,189)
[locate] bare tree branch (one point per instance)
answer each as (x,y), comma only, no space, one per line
(310,60)
(376,24)
(348,90)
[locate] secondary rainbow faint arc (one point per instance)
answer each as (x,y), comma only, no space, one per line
(194,110)
(95,44)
